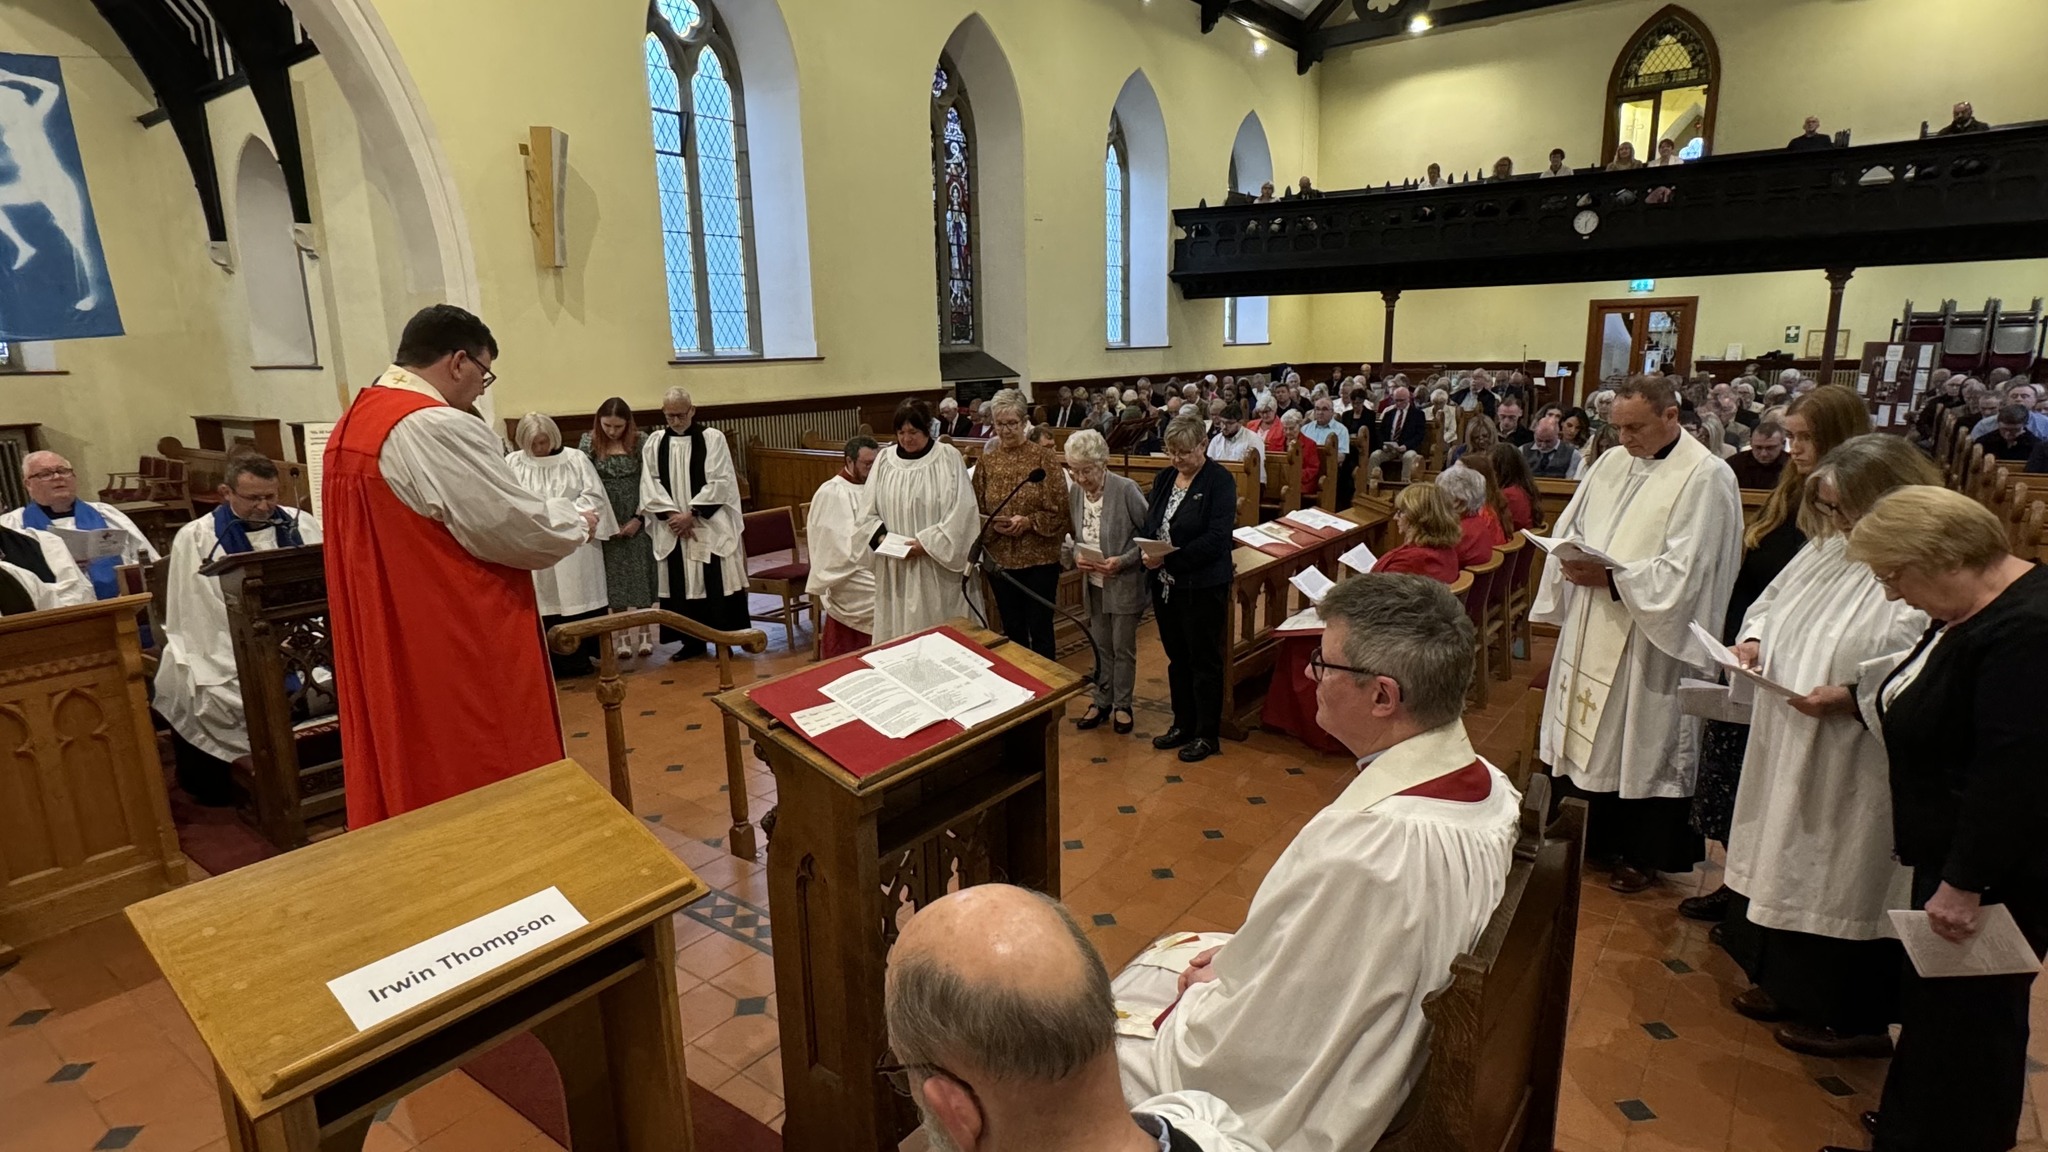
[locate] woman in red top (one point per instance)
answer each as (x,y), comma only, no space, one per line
(1428,521)
(1267,424)
(1311,454)
(1517,485)
(1478,531)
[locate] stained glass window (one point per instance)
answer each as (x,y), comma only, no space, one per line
(953,208)
(700,163)
(1116,221)
(1664,88)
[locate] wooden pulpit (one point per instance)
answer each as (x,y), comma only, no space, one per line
(85,826)
(250,955)
(850,855)
(284,657)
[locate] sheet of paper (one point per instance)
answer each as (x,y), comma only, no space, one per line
(1712,701)
(894,545)
(87,544)
(822,719)
(1998,948)
(1306,620)
(942,684)
(1153,549)
(1726,658)
(1553,368)
(1003,696)
(1359,559)
(1862,381)
(1573,550)
(1263,535)
(882,703)
(1317,519)
(316,461)
(1312,583)
(1926,355)
(1088,552)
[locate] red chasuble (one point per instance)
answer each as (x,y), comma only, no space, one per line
(439,665)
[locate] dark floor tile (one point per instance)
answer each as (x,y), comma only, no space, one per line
(1212,834)
(70,1072)
(118,1138)
(1635,1110)
(1678,966)
(750,1006)
(1126,809)
(1071,845)
(29,1017)
(1659,1030)
(1834,1086)
(1162,873)
(1104,920)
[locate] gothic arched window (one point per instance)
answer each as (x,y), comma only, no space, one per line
(1116,222)
(953,191)
(1664,87)
(700,164)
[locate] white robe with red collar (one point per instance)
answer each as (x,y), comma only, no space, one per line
(1313,1030)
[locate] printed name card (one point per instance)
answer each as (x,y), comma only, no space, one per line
(383,988)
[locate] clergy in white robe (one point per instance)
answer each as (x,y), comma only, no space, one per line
(53,503)
(22,591)
(198,689)
(48,559)
(1308,1020)
(921,490)
(842,579)
(691,496)
(1810,845)
(574,589)
(1668,512)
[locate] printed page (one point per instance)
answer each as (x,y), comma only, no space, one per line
(1998,949)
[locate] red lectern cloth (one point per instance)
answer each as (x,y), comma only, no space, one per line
(856,747)
(1291,696)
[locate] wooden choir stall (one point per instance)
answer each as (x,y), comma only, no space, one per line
(85,826)
(331,981)
(855,849)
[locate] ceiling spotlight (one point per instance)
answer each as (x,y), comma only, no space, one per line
(1258,45)
(1419,25)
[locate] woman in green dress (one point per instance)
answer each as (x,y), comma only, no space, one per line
(613,445)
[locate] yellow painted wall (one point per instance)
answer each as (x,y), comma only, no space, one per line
(1520,86)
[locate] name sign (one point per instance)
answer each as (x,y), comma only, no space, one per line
(383,988)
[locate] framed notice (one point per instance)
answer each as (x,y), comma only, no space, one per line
(1816,343)
(1891,382)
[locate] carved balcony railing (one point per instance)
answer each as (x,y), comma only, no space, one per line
(1982,196)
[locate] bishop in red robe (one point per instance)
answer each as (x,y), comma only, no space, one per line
(440,667)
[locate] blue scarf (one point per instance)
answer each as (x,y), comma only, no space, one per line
(233,532)
(87,519)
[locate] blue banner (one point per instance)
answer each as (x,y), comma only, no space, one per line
(53,273)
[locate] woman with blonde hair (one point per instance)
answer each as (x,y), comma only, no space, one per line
(574,588)
(1815,424)
(1430,525)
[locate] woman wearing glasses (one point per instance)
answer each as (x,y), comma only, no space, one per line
(1193,508)
(1028,525)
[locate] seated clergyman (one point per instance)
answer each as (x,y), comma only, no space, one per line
(1002,1029)
(53,504)
(1309,1019)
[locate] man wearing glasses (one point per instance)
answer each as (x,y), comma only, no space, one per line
(440,667)
(53,503)
(1309,1019)
(1002,1031)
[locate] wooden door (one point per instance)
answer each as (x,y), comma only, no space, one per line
(1630,337)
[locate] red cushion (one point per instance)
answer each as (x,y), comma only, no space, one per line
(798,571)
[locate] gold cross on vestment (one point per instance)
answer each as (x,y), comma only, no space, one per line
(1586,704)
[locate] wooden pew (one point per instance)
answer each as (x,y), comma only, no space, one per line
(205,469)
(1280,490)
(277,616)
(1143,470)
(1554,494)
(788,477)
(1496,1047)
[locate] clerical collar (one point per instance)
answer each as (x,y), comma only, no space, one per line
(53,514)
(1668,448)
(848,477)
(901,454)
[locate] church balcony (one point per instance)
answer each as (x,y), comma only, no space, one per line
(1981,196)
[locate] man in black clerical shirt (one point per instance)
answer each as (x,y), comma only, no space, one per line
(1758,465)
(1810,140)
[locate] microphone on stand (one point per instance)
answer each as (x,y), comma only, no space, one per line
(981,539)
(977,559)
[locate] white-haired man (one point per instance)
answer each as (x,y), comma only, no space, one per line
(952,422)
(53,503)
(691,494)
(1313,1031)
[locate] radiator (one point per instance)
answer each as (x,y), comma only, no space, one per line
(13,493)
(835,425)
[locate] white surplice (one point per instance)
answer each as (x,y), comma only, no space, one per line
(930,500)
(842,577)
(71,585)
(576,584)
(718,536)
(1611,721)
(447,465)
(42,596)
(135,547)
(198,691)
(1811,840)
(1313,1028)
(1203,1118)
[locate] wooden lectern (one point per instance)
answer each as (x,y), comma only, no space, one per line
(85,827)
(850,854)
(250,953)
(284,657)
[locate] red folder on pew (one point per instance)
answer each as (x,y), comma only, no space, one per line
(1257,537)
(1303,531)
(856,747)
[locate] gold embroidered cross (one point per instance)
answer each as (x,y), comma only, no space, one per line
(1586,704)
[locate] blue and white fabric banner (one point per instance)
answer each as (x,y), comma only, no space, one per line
(53,273)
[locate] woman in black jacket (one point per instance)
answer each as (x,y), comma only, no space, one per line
(1194,508)
(1969,779)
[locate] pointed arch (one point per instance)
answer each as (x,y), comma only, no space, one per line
(271,270)
(1147,221)
(1251,165)
(1666,85)
(994,126)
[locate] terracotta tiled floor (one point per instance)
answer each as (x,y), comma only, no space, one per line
(95,1053)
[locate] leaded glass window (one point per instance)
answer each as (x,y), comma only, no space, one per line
(700,165)
(1664,88)
(1116,221)
(953,190)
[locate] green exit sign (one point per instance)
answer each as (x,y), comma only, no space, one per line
(1642,287)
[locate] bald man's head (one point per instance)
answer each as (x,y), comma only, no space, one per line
(999,982)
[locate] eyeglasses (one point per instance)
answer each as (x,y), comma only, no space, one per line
(1890,580)
(490,377)
(1318,667)
(899,1076)
(54,474)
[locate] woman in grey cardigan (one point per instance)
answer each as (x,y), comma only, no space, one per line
(1107,511)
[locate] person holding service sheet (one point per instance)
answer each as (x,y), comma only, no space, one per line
(923,500)
(1960,717)
(1810,846)
(1194,503)
(53,506)
(1666,511)
(1106,513)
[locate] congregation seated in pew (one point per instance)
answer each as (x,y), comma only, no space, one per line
(54,504)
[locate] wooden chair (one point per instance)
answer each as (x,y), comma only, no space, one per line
(1496,1049)
(1280,492)
(1462,586)
(1479,606)
(155,478)
(770,531)
(1514,560)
